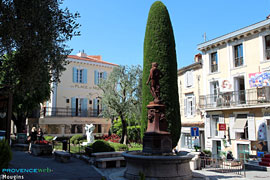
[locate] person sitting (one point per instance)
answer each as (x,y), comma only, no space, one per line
(40,135)
(230,156)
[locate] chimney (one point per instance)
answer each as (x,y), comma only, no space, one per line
(82,54)
(198,57)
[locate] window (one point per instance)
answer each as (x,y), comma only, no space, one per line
(267,47)
(67,100)
(100,76)
(189,79)
(99,128)
(238,55)
(241,126)
(189,105)
(79,75)
(214,90)
(214,62)
(214,125)
(187,141)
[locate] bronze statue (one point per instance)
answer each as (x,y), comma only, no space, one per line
(154,76)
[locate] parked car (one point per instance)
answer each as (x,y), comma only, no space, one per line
(2,134)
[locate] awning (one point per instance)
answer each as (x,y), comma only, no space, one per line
(239,125)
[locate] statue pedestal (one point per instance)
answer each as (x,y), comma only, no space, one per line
(157,143)
(156,139)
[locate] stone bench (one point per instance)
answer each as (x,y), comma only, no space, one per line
(107,154)
(41,149)
(21,147)
(102,162)
(62,156)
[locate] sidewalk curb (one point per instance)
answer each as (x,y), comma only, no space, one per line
(100,172)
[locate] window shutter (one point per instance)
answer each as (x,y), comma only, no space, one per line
(75,75)
(84,106)
(105,75)
(186,77)
(96,77)
(221,120)
(95,107)
(232,120)
(185,106)
(73,106)
(207,126)
(95,104)
(190,78)
(193,106)
(85,76)
(251,127)
(212,127)
(188,107)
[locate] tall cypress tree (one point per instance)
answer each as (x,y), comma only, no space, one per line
(159,46)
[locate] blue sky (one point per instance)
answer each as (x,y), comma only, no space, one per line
(115,29)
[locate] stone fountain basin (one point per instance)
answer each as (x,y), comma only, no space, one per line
(153,167)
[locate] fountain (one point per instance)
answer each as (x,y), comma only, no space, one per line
(157,161)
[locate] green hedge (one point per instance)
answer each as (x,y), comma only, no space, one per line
(101,146)
(119,147)
(76,139)
(5,154)
(48,138)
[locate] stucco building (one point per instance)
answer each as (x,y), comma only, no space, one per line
(236,90)
(190,89)
(76,100)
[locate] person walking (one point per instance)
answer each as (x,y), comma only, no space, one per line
(33,137)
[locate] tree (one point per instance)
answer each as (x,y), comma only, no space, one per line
(122,96)
(159,46)
(33,50)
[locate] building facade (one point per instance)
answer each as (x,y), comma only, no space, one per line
(76,100)
(236,91)
(190,89)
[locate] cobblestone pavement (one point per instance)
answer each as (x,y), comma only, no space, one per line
(117,174)
(73,170)
(79,170)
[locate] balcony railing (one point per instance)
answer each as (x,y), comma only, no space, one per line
(267,53)
(247,97)
(238,61)
(68,112)
(214,68)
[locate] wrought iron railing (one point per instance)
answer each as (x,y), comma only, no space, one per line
(235,98)
(238,61)
(214,68)
(267,54)
(69,112)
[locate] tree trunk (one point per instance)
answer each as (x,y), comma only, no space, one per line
(124,137)
(20,122)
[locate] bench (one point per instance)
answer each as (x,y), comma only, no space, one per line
(62,156)
(106,154)
(21,147)
(102,162)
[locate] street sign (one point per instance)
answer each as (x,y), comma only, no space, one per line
(194,131)
(221,127)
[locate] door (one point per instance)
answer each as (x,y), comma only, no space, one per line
(216,149)
(239,88)
(242,151)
